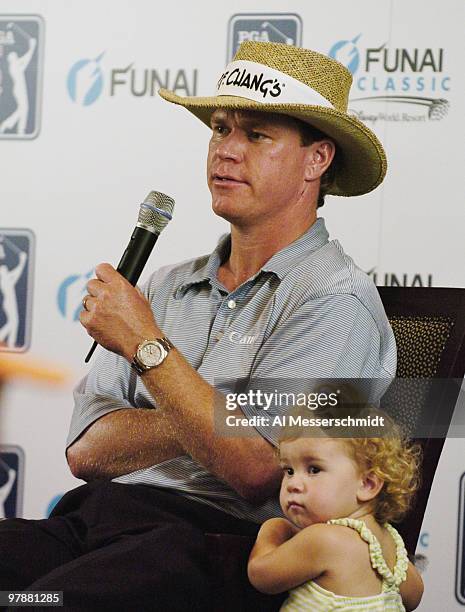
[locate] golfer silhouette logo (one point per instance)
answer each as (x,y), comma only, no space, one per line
(19,77)
(11,481)
(7,486)
(15,294)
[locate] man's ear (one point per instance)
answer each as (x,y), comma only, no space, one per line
(320,156)
(370,486)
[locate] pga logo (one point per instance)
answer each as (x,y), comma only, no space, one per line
(11,481)
(271,27)
(17,248)
(21,63)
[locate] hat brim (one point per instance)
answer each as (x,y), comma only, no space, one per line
(362,161)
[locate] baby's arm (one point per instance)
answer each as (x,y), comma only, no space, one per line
(411,589)
(273,533)
(284,557)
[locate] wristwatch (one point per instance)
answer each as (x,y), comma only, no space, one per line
(150,354)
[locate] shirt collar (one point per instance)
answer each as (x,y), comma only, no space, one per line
(286,259)
(207,272)
(280,264)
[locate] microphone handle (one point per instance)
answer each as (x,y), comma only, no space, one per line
(133,261)
(136,254)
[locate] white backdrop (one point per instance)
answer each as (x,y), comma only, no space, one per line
(86,158)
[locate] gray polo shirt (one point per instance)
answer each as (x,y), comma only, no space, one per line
(308,313)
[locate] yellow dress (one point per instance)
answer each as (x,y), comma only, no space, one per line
(312,597)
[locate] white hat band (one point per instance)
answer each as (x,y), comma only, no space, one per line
(263,84)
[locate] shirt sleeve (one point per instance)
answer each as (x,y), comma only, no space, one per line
(333,336)
(106,388)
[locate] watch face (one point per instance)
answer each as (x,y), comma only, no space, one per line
(151,354)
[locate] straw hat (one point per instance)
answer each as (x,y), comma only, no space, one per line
(279,78)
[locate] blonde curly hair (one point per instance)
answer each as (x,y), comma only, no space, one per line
(396,461)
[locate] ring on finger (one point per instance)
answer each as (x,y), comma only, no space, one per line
(84,302)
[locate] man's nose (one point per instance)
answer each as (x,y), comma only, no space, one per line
(231,146)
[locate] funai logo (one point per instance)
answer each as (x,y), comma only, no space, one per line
(52,503)
(346,52)
(70,294)
(421,560)
(85,81)
(11,481)
(424,539)
(403,279)
(88,79)
(272,27)
(396,84)
(21,60)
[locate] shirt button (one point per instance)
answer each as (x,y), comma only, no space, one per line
(231,304)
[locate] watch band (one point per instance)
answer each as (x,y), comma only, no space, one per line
(166,343)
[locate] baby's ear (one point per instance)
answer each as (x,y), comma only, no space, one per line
(370,486)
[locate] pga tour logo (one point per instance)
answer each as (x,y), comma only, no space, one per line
(272,27)
(21,60)
(16,282)
(11,481)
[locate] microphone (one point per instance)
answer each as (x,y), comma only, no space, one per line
(154,215)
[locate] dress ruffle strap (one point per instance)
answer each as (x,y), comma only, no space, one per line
(391,580)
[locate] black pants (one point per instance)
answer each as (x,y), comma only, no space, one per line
(110,546)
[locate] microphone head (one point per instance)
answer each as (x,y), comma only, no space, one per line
(155,212)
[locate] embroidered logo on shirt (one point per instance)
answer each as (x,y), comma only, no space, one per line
(237,338)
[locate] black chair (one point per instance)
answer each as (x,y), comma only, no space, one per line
(429,326)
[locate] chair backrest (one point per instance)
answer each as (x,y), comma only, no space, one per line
(429,326)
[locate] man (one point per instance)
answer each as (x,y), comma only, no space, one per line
(303,307)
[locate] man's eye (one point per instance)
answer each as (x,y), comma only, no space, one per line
(287,470)
(219,129)
(312,469)
(256,135)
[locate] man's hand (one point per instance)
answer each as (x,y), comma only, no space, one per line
(117,315)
